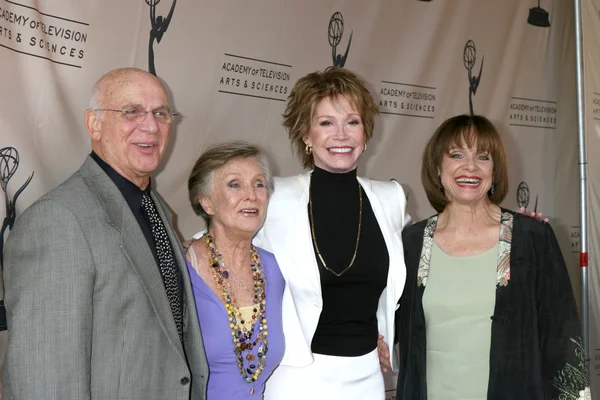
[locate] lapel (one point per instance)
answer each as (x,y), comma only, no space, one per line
(303,239)
(134,245)
(503,270)
(384,224)
(503,261)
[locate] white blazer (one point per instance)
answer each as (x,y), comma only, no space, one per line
(286,233)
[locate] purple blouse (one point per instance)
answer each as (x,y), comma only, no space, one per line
(225,380)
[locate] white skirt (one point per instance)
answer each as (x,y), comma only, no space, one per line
(329,378)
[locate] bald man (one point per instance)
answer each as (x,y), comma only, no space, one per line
(98,299)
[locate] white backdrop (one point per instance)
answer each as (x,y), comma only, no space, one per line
(229,65)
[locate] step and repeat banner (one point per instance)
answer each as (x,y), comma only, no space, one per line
(591,46)
(229,66)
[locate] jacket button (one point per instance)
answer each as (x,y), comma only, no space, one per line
(185,380)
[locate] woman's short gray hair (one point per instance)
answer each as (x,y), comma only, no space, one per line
(200,182)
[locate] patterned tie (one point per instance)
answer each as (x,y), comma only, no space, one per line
(168,269)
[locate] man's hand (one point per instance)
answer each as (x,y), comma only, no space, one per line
(537,215)
(384,354)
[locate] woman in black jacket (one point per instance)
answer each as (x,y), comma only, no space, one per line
(498,319)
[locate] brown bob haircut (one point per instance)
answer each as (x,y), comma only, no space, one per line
(477,132)
(310,90)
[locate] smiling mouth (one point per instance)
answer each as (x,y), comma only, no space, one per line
(468,182)
(249,211)
(340,150)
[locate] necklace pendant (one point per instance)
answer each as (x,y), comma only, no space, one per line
(252,390)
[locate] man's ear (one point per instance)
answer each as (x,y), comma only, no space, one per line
(206,205)
(93,124)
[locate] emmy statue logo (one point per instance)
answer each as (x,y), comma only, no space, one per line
(159,27)
(335,33)
(523,196)
(9,162)
(469,58)
(538,17)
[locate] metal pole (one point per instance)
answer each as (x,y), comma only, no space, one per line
(583,256)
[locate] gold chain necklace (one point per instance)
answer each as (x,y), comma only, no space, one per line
(314,238)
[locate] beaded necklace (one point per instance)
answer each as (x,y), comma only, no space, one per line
(241,336)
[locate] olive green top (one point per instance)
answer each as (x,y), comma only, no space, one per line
(458,303)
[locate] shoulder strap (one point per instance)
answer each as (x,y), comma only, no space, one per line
(192,257)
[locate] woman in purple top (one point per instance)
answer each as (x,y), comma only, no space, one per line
(237,288)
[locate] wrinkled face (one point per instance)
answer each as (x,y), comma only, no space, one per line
(134,149)
(239,198)
(466,175)
(337,135)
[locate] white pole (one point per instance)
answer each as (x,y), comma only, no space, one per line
(583,256)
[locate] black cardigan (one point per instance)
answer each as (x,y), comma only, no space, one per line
(536,348)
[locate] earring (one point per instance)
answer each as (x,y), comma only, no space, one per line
(308,150)
(365,149)
(492,189)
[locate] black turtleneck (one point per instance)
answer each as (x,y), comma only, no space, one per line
(348,322)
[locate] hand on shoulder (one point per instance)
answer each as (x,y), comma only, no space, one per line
(537,215)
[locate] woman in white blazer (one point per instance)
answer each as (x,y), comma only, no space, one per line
(337,239)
